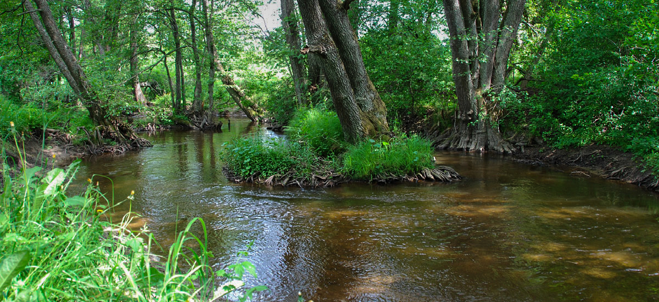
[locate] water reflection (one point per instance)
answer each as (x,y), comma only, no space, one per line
(508,232)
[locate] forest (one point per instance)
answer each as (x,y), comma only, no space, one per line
(366,90)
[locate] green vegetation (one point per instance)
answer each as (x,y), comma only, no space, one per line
(401,156)
(255,156)
(55,246)
(315,147)
(320,129)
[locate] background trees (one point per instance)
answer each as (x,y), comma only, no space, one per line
(564,71)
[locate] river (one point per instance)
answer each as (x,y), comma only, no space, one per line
(507,232)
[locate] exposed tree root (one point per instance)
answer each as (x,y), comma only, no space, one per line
(204,121)
(331,179)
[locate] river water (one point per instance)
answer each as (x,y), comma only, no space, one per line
(507,232)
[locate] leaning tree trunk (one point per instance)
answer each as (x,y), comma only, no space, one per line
(479,69)
(289,21)
(374,112)
(324,50)
(75,76)
(234,91)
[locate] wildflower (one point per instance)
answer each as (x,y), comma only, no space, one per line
(11,124)
(54,156)
(99,211)
(97,183)
(89,180)
(132,192)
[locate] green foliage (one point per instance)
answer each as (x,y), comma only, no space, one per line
(62,247)
(265,157)
(598,82)
(402,156)
(320,129)
(410,66)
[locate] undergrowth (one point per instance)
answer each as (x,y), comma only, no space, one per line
(401,156)
(257,156)
(320,129)
(315,146)
(58,247)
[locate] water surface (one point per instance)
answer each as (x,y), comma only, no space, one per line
(508,232)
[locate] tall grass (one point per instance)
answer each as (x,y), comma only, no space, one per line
(256,156)
(320,129)
(401,156)
(63,248)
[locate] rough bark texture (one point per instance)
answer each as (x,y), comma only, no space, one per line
(211,51)
(289,21)
(323,48)
(68,65)
(374,112)
(480,57)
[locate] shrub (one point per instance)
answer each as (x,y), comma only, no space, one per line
(401,156)
(320,129)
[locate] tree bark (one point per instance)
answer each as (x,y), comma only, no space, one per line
(374,112)
(289,21)
(323,48)
(479,59)
(211,51)
(197,103)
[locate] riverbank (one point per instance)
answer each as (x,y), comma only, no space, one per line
(594,160)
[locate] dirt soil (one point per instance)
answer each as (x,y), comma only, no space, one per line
(604,161)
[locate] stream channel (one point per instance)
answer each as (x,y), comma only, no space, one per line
(507,232)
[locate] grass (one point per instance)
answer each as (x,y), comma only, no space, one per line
(315,146)
(401,156)
(256,156)
(60,247)
(319,129)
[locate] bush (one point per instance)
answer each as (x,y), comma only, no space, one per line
(402,156)
(320,129)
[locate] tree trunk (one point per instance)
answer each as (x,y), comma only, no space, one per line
(478,67)
(323,48)
(72,28)
(135,63)
(212,52)
(289,21)
(197,104)
(178,61)
(68,65)
(374,112)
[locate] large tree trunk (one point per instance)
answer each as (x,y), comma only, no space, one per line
(289,21)
(479,68)
(197,104)
(68,65)
(374,112)
(323,48)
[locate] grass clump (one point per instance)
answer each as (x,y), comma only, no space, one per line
(320,129)
(57,247)
(401,156)
(256,156)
